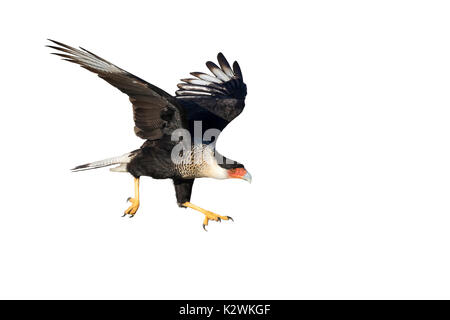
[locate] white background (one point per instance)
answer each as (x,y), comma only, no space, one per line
(346,133)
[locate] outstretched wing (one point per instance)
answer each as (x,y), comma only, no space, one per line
(155,112)
(215,99)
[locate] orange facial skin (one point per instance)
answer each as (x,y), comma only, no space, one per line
(237,173)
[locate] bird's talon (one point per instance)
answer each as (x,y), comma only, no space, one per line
(133,208)
(208,214)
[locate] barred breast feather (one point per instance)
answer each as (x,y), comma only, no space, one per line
(200,162)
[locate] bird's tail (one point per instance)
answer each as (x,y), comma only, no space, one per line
(120,160)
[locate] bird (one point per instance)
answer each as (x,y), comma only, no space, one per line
(180,131)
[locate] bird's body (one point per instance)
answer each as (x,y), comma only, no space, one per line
(156,162)
(180,131)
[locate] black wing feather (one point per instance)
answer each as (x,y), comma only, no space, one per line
(225,65)
(213,99)
(155,111)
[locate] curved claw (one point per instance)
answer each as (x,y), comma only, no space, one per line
(128,199)
(218,219)
(131,215)
(124,215)
(204,227)
(230,218)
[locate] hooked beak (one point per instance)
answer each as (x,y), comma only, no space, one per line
(247,177)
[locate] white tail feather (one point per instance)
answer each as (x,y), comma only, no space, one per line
(122,160)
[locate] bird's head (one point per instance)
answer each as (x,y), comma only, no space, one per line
(239,173)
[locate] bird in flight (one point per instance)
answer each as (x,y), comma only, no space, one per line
(180,131)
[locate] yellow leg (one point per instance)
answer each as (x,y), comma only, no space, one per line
(208,214)
(134,201)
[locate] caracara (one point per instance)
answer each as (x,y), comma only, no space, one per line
(180,131)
